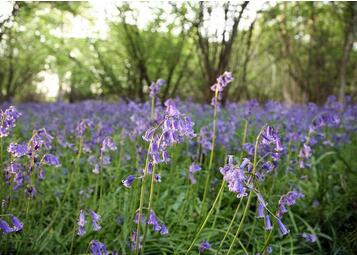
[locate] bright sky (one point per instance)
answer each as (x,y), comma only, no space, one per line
(103,10)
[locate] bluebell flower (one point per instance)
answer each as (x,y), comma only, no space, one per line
(309,237)
(269,249)
(128,181)
(30,191)
(288,200)
(156,86)
(260,211)
(18,225)
(7,120)
(108,145)
(81,223)
(106,160)
(204,246)
(51,160)
(153,221)
(82,127)
(282,228)
(18,150)
(95,219)
(136,218)
(133,241)
(193,169)
(97,248)
(164,230)
(157,178)
(96,169)
(268,225)
(6,229)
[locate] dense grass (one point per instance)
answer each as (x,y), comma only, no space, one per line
(328,182)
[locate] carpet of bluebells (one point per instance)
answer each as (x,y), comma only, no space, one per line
(178,177)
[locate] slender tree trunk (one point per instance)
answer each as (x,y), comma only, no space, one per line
(350,37)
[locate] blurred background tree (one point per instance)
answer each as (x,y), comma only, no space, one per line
(291,51)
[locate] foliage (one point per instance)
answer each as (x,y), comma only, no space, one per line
(295,52)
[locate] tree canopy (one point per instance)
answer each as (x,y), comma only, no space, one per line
(291,51)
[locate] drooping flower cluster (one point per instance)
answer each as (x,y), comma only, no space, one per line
(324,119)
(97,248)
(81,223)
(152,220)
(29,159)
(5,227)
(8,120)
(128,181)
(133,241)
(270,149)
(222,82)
(193,169)
(235,177)
(174,127)
(288,200)
(156,86)
(104,159)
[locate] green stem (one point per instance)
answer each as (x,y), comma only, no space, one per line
(211,154)
(229,227)
(64,196)
(241,222)
(251,191)
(207,217)
(152,108)
(141,203)
(266,242)
(149,206)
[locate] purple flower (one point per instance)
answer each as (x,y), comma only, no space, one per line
(17,150)
(156,86)
(222,81)
(193,169)
(288,200)
(30,191)
(260,211)
(108,145)
(157,178)
(267,166)
(282,229)
(305,151)
(7,120)
(269,250)
(278,146)
(249,148)
(96,169)
(97,248)
(133,241)
(81,224)
(136,218)
(234,176)
(6,229)
(309,237)
(153,221)
(268,225)
(164,230)
(204,246)
(82,127)
(106,160)
(18,225)
(51,160)
(95,218)
(261,199)
(128,181)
